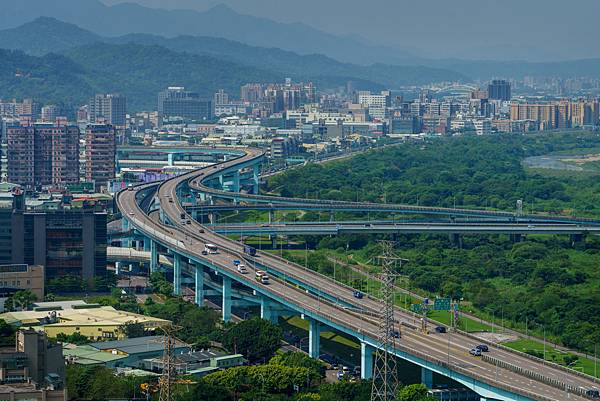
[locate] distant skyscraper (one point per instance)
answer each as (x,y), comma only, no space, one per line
(108,109)
(499,89)
(221,97)
(100,153)
(177,102)
(43,154)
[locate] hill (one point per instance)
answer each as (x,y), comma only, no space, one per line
(139,72)
(45,35)
(128,18)
(48,34)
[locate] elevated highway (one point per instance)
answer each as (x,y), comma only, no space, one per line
(385,227)
(504,375)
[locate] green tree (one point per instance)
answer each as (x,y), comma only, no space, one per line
(132,329)
(7,333)
(414,392)
(299,360)
(20,300)
(75,338)
(256,339)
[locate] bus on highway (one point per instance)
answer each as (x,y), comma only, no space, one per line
(210,248)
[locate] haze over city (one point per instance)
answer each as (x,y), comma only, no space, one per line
(534,30)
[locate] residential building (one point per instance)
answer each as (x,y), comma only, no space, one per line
(545,114)
(108,109)
(100,154)
(33,370)
(43,155)
(17,277)
(50,113)
(189,106)
(221,98)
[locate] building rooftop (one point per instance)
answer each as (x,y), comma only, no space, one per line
(90,316)
(88,355)
(136,345)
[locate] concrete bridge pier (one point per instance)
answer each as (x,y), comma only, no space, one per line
(153,257)
(199,285)
(226,306)
(268,311)
(176,274)
(194,214)
(255,179)
(456,239)
(366,361)
(516,238)
(576,239)
(271,216)
(314,338)
(427,377)
(331,215)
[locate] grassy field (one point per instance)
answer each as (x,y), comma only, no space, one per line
(585,365)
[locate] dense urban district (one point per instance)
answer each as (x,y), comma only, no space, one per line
(197,218)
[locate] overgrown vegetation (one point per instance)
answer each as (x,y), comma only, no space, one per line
(543,282)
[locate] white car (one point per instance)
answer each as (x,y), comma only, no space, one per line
(242,269)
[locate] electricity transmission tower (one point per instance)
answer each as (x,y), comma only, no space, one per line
(385,375)
(167,378)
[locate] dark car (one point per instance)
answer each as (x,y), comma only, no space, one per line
(483,348)
(358,294)
(593,393)
(440,329)
(395,333)
(204,253)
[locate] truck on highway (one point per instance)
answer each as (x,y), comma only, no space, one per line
(249,250)
(262,277)
(211,249)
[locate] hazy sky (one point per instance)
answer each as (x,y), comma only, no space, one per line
(553,29)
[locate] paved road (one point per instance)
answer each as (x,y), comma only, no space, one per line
(314,228)
(451,348)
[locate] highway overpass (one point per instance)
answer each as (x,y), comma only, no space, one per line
(503,375)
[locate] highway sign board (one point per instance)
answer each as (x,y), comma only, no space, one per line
(442,304)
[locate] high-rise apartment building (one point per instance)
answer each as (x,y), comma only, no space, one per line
(100,153)
(545,113)
(108,109)
(177,102)
(43,154)
(50,113)
(499,89)
(221,97)
(252,93)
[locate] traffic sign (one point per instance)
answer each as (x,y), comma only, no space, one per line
(442,304)
(417,308)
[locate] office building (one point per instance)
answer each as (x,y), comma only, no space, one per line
(43,155)
(108,109)
(100,154)
(67,242)
(177,102)
(33,370)
(499,89)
